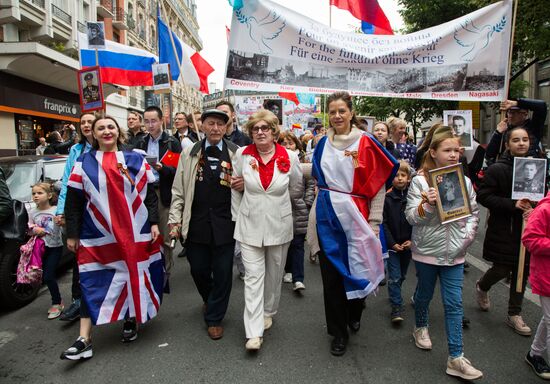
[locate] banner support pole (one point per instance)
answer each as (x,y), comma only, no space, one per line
(180,65)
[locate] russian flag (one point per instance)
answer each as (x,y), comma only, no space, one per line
(119,64)
(373,19)
(195,68)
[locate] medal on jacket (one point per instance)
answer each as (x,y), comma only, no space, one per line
(200,170)
(225,174)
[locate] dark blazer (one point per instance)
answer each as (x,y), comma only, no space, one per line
(503,235)
(192,135)
(166,173)
(239,138)
(134,139)
(396,227)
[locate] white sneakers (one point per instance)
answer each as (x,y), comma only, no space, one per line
(268,322)
(517,324)
(254,343)
(422,338)
(482,298)
(298,286)
(461,367)
(287,278)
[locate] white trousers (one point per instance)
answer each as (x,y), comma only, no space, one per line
(264,267)
(541,341)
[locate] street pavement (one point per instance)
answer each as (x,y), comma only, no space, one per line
(174,347)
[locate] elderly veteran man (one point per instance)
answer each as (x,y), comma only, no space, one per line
(201,213)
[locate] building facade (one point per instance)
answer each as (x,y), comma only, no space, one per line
(39,61)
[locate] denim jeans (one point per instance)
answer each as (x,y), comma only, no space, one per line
(49,266)
(450,279)
(398,263)
(295,258)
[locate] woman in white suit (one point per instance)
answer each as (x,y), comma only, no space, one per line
(263,215)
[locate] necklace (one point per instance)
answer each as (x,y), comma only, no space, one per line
(266,152)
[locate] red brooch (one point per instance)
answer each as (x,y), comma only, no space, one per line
(283,164)
(254,164)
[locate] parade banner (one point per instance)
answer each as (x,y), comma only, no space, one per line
(275,49)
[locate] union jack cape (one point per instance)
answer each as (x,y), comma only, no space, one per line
(121,270)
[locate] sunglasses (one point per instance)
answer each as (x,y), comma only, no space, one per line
(263,128)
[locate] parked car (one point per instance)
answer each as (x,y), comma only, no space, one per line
(21,173)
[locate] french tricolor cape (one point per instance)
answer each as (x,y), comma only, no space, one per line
(121,271)
(348,180)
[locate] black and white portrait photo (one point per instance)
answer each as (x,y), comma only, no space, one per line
(529,178)
(452,196)
(96,34)
(461,123)
(449,192)
(275,106)
(161,77)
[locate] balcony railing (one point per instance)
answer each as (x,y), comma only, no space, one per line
(61,14)
(108,4)
(81,27)
(39,3)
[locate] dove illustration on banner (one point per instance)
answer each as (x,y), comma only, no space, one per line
(474,38)
(262,30)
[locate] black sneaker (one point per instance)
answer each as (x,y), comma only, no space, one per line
(183,252)
(539,365)
(72,313)
(396,314)
(129,330)
(79,350)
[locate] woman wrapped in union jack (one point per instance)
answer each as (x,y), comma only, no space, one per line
(111,215)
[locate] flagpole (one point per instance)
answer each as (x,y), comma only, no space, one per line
(329,14)
(180,65)
(510,52)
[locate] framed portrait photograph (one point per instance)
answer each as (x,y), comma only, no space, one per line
(275,106)
(162,78)
(367,122)
(529,178)
(96,34)
(453,202)
(461,123)
(90,89)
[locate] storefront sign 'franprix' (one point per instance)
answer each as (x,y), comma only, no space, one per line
(31,102)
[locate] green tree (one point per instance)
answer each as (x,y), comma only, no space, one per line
(415,112)
(532,30)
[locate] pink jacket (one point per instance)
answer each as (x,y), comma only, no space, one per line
(536,239)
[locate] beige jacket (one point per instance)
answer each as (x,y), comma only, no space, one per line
(183,189)
(264,217)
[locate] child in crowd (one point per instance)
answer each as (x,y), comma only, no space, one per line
(42,224)
(294,267)
(439,250)
(398,238)
(536,239)
(504,227)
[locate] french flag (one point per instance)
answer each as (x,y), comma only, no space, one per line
(373,19)
(119,64)
(195,68)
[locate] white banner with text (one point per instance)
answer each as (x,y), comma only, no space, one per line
(275,49)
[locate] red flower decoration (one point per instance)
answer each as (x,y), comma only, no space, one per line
(254,164)
(283,164)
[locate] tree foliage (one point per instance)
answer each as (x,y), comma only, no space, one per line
(415,112)
(532,30)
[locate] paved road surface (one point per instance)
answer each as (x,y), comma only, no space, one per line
(174,347)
